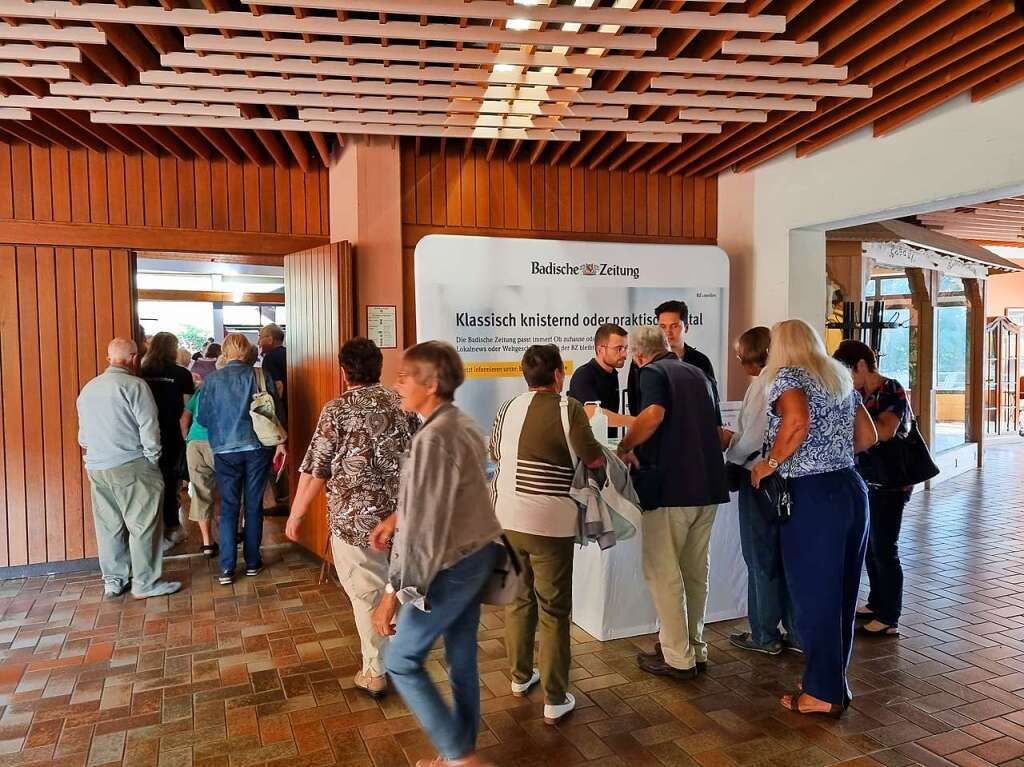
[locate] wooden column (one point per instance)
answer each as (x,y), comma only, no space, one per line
(924,290)
(975,290)
(848,267)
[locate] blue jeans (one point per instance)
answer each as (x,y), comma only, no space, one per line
(241,476)
(768,601)
(823,546)
(454,601)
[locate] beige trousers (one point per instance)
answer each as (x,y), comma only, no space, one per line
(362,573)
(676,566)
(199,456)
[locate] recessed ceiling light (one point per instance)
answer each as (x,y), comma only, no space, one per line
(519,24)
(507,68)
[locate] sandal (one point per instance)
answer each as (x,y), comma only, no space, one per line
(835,710)
(887,630)
(210,551)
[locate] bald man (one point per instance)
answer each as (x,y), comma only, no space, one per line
(118,427)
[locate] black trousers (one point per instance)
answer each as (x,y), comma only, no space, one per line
(170,457)
(885,573)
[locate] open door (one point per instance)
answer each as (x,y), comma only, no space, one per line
(321,317)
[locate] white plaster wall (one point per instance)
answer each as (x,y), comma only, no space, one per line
(772,219)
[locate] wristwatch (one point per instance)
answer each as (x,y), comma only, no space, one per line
(772,463)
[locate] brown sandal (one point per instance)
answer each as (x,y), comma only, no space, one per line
(835,710)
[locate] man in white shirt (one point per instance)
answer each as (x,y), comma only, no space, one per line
(768,600)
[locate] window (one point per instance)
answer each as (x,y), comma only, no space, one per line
(951,366)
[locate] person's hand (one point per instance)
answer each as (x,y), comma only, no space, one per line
(383,534)
(759,472)
(280,456)
(725,436)
(384,615)
(291,527)
(629,458)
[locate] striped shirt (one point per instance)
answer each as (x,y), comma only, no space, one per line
(535,469)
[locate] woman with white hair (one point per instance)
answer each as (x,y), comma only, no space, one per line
(816,423)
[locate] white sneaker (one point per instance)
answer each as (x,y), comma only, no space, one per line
(520,689)
(555,714)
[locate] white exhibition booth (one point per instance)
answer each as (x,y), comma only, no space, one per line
(492,297)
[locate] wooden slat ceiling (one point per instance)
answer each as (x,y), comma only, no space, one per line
(996,223)
(677,86)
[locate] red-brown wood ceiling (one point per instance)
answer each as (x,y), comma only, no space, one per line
(916,54)
(1000,222)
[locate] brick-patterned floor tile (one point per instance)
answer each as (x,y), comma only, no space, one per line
(261,673)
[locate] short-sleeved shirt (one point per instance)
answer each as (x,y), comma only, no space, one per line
(195,431)
(890,397)
(534,475)
(275,362)
(169,385)
(592,383)
(359,441)
(828,445)
(690,356)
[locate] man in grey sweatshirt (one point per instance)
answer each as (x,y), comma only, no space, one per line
(117,426)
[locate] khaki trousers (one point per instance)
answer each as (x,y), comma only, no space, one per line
(676,566)
(199,457)
(547,584)
(363,573)
(129,529)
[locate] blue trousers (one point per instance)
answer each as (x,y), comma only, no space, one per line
(823,546)
(454,601)
(241,476)
(768,600)
(885,573)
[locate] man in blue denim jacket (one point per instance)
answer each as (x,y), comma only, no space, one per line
(240,461)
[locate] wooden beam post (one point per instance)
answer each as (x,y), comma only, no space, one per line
(975,290)
(924,290)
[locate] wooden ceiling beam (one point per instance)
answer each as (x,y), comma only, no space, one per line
(323,148)
(142,139)
(194,140)
(272,143)
(26,132)
(623,155)
(130,44)
(808,24)
(612,144)
(250,146)
(936,94)
(1000,82)
(44,33)
(851,24)
(537,151)
(294,141)
(26,52)
(223,143)
(40,71)
(111,63)
(492,10)
(914,47)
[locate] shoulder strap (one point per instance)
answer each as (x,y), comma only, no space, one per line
(261,382)
(563,407)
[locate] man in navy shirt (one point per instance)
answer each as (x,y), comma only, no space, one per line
(598,380)
(275,362)
(679,475)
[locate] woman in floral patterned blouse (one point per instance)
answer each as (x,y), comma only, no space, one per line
(355,454)
(816,423)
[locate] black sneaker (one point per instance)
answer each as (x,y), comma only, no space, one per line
(210,551)
(702,665)
(226,578)
(252,572)
(652,664)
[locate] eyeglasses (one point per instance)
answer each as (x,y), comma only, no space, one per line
(617,349)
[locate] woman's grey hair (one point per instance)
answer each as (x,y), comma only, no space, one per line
(648,340)
(437,361)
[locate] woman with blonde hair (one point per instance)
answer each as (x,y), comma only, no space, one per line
(172,387)
(240,461)
(816,423)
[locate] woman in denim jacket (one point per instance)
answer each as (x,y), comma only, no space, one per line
(240,460)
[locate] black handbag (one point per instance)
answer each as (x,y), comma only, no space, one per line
(900,462)
(736,475)
(774,489)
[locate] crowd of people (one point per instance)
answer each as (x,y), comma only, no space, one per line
(418,527)
(158,416)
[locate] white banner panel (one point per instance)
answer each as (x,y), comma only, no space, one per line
(492,297)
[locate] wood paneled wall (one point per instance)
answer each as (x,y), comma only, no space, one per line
(458,191)
(320,289)
(87,187)
(58,309)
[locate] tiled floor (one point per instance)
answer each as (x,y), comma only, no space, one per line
(260,674)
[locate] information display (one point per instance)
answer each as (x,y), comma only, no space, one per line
(492,297)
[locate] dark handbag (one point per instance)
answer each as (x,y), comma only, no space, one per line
(736,475)
(181,467)
(900,462)
(506,580)
(774,489)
